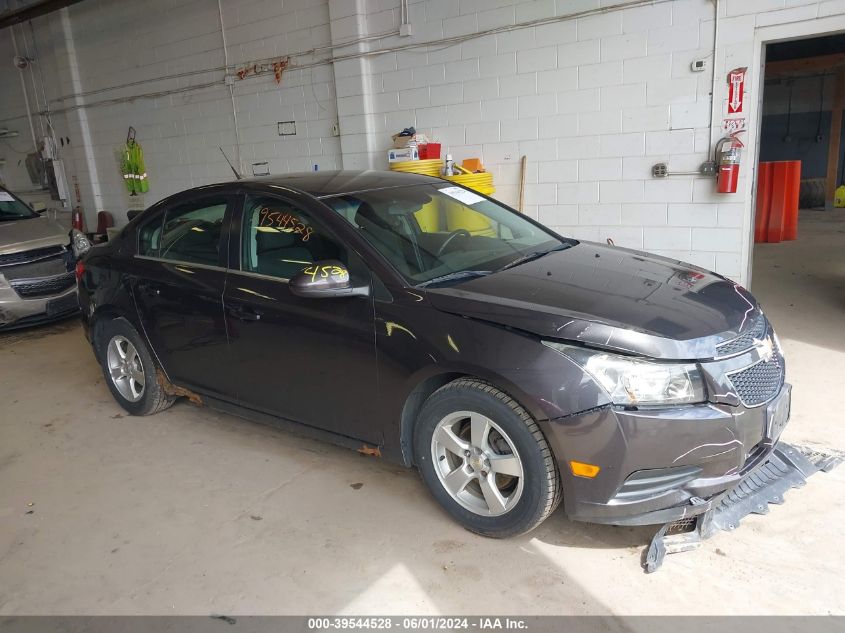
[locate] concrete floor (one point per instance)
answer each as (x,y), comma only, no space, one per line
(195,512)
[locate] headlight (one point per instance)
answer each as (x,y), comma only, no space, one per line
(635,381)
(79,243)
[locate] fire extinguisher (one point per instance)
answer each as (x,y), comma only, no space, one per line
(76,219)
(729,160)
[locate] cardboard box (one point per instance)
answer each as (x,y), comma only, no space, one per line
(400,142)
(402,155)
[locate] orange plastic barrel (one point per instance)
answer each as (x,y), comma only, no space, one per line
(793,188)
(778,186)
(777,208)
(764,201)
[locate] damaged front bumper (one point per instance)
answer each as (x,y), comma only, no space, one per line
(663,465)
(786,467)
(16,311)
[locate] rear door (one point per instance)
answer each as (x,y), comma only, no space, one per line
(177,283)
(305,359)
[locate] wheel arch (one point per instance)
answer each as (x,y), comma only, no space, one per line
(101,316)
(427,386)
(109,312)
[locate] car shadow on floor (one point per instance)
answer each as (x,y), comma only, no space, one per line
(32,332)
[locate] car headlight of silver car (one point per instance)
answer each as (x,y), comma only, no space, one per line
(633,381)
(79,243)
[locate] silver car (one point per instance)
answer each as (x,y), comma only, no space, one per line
(37,265)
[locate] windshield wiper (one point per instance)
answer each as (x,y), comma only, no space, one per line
(461,274)
(532,256)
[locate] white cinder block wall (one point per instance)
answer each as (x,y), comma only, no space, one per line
(593,100)
(115,44)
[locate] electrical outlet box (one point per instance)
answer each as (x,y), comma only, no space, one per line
(660,170)
(287,128)
(405,30)
(698,65)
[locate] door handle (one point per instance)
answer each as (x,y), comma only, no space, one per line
(244,314)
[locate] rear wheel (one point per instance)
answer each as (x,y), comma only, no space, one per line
(485,460)
(129,369)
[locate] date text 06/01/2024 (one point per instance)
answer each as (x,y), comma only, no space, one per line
(430,623)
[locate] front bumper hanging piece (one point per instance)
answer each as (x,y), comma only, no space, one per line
(787,467)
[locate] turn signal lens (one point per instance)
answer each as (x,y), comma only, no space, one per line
(580,469)
(80,270)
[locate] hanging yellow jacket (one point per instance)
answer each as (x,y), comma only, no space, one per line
(134,170)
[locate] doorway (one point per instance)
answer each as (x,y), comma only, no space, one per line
(800,279)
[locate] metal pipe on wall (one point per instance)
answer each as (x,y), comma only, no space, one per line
(714,77)
(32,61)
(25,95)
(231,88)
(441,42)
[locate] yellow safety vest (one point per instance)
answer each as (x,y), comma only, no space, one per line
(134,170)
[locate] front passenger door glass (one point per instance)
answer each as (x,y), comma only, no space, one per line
(279,239)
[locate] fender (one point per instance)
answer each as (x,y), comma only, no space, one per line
(413,364)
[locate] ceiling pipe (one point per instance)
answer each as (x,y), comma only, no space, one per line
(32,11)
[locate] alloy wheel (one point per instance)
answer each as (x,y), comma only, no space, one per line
(125,368)
(477,463)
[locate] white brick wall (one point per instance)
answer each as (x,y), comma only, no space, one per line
(180,132)
(593,101)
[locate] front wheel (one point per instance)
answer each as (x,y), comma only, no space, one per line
(485,460)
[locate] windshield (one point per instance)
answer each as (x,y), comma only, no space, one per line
(11,208)
(431,231)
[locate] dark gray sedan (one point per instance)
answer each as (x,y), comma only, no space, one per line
(414,319)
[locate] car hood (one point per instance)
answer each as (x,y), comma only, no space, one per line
(612,298)
(24,235)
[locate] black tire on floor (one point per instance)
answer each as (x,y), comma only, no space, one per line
(153,398)
(542,490)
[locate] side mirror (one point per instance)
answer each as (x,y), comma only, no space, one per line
(327,279)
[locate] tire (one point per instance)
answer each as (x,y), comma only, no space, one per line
(123,352)
(507,453)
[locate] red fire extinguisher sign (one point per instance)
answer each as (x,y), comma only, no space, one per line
(736,89)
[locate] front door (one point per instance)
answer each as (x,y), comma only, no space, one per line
(177,283)
(305,359)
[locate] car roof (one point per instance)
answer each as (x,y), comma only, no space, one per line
(322,184)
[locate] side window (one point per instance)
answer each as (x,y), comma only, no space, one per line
(149,237)
(280,239)
(191,232)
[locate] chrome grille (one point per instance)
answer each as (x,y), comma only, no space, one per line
(29,288)
(759,383)
(36,254)
(744,341)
